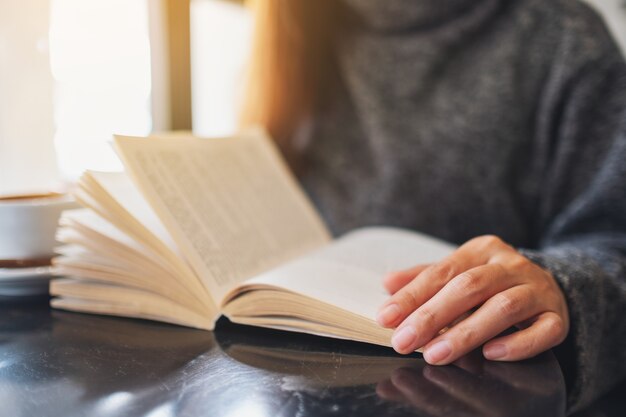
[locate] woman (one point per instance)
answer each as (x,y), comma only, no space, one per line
(498,125)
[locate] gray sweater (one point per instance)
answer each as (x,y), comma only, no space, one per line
(460,118)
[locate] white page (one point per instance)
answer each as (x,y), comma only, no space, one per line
(230,204)
(113,242)
(122,189)
(89,219)
(348,273)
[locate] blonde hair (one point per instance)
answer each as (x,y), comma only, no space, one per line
(291,65)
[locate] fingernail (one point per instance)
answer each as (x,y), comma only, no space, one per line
(403,339)
(388,315)
(438,352)
(494,352)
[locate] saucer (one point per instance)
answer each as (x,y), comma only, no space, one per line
(21,282)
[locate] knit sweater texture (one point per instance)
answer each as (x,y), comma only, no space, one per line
(461,118)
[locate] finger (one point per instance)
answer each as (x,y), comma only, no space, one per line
(475,252)
(546,332)
(486,248)
(458,296)
(422,288)
(394,281)
(497,314)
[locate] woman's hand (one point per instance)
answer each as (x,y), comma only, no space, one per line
(505,288)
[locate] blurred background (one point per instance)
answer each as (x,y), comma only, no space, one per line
(73,72)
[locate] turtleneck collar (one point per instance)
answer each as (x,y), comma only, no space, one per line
(399,15)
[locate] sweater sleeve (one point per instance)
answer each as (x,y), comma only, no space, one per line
(581,214)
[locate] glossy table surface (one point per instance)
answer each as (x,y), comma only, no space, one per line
(55,363)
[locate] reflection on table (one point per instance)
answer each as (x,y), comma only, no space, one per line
(63,364)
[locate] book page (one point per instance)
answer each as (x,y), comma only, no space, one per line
(119,208)
(348,273)
(99,245)
(230,204)
(126,194)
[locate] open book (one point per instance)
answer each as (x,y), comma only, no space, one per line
(198,228)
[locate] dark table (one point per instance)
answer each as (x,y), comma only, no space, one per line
(55,363)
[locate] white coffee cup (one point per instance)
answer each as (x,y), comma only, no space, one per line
(28,225)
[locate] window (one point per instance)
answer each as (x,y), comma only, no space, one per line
(100,62)
(26,95)
(220,42)
(72,72)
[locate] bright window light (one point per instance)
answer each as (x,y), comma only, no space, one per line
(220,43)
(27,161)
(100,62)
